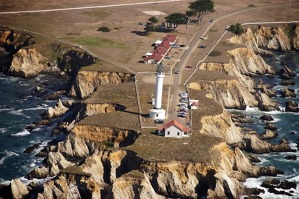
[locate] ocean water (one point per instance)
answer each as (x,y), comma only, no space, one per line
(287,123)
(19,107)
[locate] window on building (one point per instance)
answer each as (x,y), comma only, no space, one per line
(185,133)
(168,132)
(178,133)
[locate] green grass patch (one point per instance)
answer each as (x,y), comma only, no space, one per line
(74,170)
(99,42)
(290,30)
(215,53)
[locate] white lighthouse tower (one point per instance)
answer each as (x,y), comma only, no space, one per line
(157,112)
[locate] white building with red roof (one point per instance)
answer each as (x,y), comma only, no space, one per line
(174,129)
(172,39)
(161,50)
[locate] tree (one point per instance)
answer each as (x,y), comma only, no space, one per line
(149,28)
(202,8)
(189,14)
(153,20)
(174,19)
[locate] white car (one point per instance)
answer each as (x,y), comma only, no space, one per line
(183,104)
(184,95)
(182,114)
(184,100)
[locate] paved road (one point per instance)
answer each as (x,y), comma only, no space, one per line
(88,7)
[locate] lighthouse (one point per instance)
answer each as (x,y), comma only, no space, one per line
(157,112)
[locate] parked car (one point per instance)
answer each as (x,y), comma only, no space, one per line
(169,58)
(182,114)
(202,46)
(183,105)
(188,66)
(183,95)
(184,100)
(159,121)
(175,46)
(211,20)
(177,72)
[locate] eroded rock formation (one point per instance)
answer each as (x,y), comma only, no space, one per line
(86,82)
(266,37)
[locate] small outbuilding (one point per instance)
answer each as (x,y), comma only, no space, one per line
(174,129)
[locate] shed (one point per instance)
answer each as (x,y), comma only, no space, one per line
(174,129)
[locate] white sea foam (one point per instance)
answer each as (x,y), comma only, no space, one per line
(256,182)
(41,146)
(35,180)
(21,133)
(4,109)
(3,130)
(276,119)
(15,112)
(7,155)
(252,109)
(34,109)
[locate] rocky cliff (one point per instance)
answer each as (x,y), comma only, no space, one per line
(221,126)
(122,174)
(230,93)
(86,82)
(12,41)
(239,93)
(270,38)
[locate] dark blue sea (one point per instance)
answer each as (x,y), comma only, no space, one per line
(287,123)
(20,106)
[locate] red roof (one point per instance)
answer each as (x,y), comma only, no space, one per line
(174,123)
(160,50)
(156,56)
(171,38)
(164,44)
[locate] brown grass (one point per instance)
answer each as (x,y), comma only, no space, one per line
(123,94)
(157,148)
(80,26)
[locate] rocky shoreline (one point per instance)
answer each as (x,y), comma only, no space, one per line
(92,163)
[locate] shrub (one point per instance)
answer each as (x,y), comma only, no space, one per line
(215,53)
(104,29)
(236,28)
(290,30)
(251,5)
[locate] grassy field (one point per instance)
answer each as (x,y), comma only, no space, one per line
(99,42)
(123,95)
(152,147)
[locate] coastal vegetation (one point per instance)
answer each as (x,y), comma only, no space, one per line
(99,42)
(104,29)
(290,30)
(237,29)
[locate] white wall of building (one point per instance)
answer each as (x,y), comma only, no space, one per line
(173,131)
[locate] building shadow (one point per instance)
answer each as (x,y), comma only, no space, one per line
(139,33)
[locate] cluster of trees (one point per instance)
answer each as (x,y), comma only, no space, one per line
(198,9)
